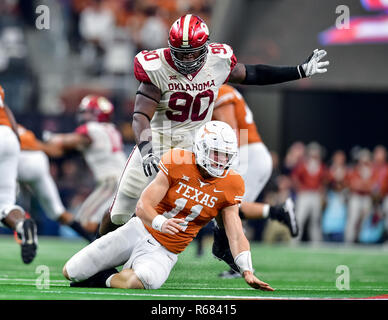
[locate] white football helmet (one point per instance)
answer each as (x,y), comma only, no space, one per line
(216,148)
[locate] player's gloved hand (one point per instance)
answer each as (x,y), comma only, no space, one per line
(313,65)
(47,135)
(149,159)
(150,164)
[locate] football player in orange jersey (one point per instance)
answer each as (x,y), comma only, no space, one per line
(11,215)
(34,173)
(176,95)
(190,189)
(255,166)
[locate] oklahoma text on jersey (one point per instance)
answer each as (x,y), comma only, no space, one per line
(187,101)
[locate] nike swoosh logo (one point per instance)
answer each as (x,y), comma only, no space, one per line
(148,240)
(215,190)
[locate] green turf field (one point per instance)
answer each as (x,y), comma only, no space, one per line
(296,272)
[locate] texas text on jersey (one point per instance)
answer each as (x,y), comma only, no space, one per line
(192,198)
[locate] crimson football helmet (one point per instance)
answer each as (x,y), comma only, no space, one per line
(188,36)
(95,108)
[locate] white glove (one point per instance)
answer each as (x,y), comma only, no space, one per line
(47,135)
(312,65)
(150,163)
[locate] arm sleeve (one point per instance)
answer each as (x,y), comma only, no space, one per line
(265,74)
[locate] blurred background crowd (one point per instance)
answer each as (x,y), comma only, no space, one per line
(331,160)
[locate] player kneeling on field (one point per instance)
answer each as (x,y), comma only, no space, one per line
(188,192)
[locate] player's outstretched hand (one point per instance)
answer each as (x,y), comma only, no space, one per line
(171,226)
(313,65)
(255,283)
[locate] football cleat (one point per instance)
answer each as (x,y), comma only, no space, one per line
(28,240)
(285,214)
(96,281)
(231,274)
(221,249)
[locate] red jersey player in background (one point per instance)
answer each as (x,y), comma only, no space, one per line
(309,178)
(101,145)
(34,174)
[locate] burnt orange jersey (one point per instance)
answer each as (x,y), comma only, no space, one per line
(229,95)
(192,198)
(28,140)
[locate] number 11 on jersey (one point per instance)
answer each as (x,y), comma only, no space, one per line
(179,206)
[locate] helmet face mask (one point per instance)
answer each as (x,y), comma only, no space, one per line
(216,148)
(197,60)
(188,36)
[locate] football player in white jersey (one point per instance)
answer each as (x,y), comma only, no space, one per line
(178,87)
(34,175)
(101,145)
(11,215)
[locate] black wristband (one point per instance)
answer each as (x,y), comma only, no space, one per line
(145,147)
(260,74)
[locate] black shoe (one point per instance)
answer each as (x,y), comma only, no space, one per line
(29,240)
(231,274)
(221,248)
(96,281)
(286,214)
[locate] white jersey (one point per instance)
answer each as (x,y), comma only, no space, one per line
(104,156)
(187,101)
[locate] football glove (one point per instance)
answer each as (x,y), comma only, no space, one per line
(150,163)
(312,65)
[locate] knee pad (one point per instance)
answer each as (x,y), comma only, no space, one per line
(148,277)
(123,208)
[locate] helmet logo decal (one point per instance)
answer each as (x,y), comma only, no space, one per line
(186,24)
(205,28)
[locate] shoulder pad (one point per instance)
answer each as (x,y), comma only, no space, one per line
(150,60)
(221,50)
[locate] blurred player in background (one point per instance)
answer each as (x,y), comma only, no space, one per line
(11,215)
(101,145)
(176,95)
(255,166)
(190,190)
(309,179)
(361,180)
(34,173)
